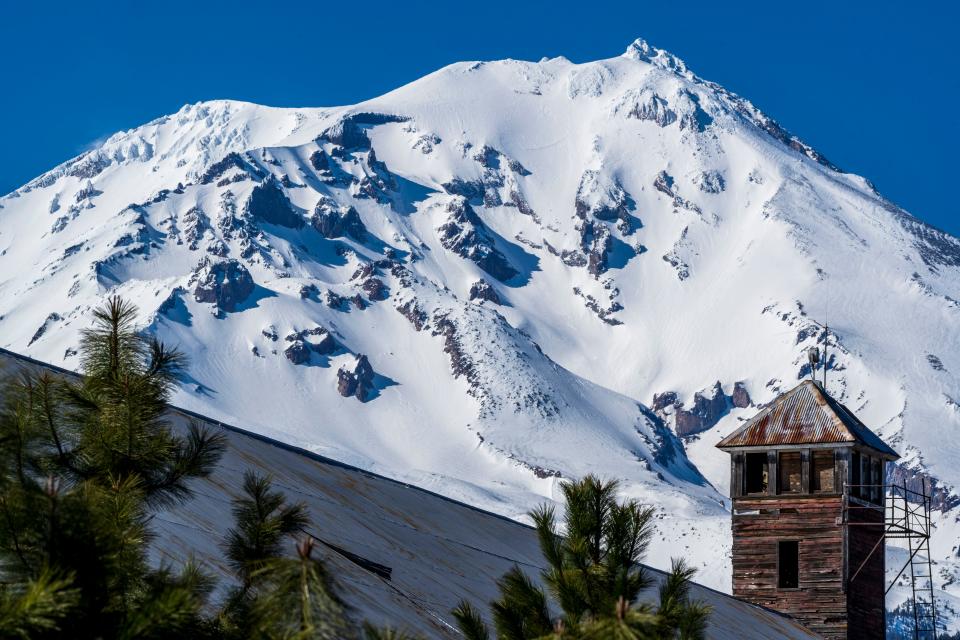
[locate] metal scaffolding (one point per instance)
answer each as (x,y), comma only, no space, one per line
(906,516)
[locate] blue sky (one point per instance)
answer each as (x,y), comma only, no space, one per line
(872,85)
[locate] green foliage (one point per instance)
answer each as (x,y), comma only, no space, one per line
(82,467)
(594,574)
(120,411)
(36,606)
(262,520)
(470,622)
(295,599)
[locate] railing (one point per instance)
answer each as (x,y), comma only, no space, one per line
(906,517)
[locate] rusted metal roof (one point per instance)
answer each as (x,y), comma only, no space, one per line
(805,415)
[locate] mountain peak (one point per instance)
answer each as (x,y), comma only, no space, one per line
(643,51)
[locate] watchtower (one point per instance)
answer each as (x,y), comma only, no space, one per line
(805,474)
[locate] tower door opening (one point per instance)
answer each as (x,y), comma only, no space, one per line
(788,564)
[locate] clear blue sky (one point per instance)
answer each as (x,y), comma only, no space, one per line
(872,85)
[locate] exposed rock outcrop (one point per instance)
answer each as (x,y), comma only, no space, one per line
(47,323)
(334,221)
(645,104)
(269,204)
(350,132)
(709,406)
(596,242)
(740,398)
(356,380)
(375,289)
(230,161)
(482,290)
(226,283)
(603,198)
(297,352)
(465,234)
(303,343)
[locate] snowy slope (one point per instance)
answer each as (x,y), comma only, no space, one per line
(548,268)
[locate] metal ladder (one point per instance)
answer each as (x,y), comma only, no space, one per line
(921,576)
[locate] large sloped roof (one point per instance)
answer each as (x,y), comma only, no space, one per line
(805,415)
(400,555)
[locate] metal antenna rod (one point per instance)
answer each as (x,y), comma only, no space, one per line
(826,342)
(826,359)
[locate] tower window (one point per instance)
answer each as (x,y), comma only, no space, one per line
(822,472)
(755,473)
(788,564)
(790,467)
(855,468)
(876,480)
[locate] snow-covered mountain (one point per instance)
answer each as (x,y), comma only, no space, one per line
(506,273)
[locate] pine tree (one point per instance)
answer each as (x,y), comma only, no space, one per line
(594,574)
(82,467)
(295,599)
(262,520)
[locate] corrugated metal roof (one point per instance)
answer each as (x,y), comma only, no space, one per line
(805,415)
(439,550)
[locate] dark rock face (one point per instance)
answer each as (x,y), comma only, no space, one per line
(694,117)
(652,107)
(350,132)
(226,284)
(232,160)
(356,380)
(378,181)
(706,412)
(740,398)
(411,311)
(708,408)
(302,343)
(664,183)
(605,313)
(333,221)
(481,290)
(52,318)
(334,300)
(319,161)
(375,289)
(298,352)
(663,400)
(465,234)
(472,190)
(596,242)
(308,292)
(269,204)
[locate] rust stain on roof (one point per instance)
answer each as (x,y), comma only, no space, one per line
(805,415)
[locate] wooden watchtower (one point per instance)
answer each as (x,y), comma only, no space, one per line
(796,470)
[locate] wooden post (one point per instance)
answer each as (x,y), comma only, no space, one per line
(772,483)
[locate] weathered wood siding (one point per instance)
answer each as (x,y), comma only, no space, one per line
(819,602)
(865,592)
